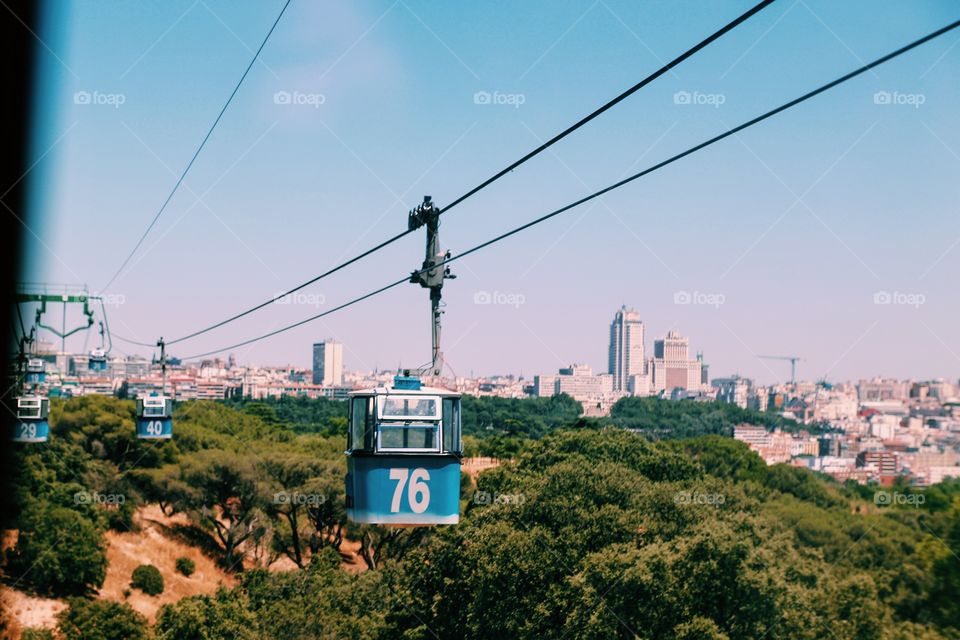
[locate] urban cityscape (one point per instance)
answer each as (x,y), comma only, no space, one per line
(869,430)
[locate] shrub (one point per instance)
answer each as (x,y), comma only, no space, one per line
(186,566)
(101,620)
(147,578)
(36,634)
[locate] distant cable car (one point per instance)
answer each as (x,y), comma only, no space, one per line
(98,360)
(403,455)
(154,417)
(32,419)
(36,371)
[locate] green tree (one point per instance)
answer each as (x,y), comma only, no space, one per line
(101,620)
(293,483)
(58,552)
(221,491)
(148,579)
(225,614)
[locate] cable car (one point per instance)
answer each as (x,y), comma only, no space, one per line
(155,417)
(36,371)
(32,415)
(403,455)
(98,360)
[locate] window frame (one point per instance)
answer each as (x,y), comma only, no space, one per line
(366,442)
(405,425)
(381,402)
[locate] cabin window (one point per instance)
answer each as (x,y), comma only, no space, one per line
(408,407)
(360,436)
(154,411)
(29,410)
(415,437)
(451,425)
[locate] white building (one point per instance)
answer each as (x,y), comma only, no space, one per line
(578,382)
(328,363)
(626,356)
(733,390)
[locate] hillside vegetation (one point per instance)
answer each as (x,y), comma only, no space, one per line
(590,531)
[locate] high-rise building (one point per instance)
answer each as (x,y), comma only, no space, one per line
(328,363)
(671,367)
(626,357)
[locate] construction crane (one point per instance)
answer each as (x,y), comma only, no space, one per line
(793,364)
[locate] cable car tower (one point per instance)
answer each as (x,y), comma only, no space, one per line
(32,405)
(403,441)
(430,275)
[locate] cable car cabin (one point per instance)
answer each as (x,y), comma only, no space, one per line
(403,455)
(32,419)
(36,371)
(98,360)
(154,417)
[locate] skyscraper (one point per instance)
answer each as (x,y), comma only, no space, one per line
(626,348)
(671,367)
(328,363)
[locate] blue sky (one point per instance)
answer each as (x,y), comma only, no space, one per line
(784,234)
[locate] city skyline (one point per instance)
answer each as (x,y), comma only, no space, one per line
(792,242)
(626,333)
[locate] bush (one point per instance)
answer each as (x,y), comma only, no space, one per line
(186,566)
(36,634)
(59,552)
(147,578)
(101,620)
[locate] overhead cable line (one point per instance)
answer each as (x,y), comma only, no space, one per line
(616,185)
(563,134)
(136,342)
(294,290)
(196,153)
(623,96)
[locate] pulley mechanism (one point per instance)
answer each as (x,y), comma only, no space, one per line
(432,274)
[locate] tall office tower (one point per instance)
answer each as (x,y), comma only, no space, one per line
(328,363)
(626,348)
(671,367)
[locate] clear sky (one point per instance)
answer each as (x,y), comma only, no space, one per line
(782,237)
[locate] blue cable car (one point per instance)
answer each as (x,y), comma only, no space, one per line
(32,419)
(155,417)
(403,455)
(36,371)
(98,360)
